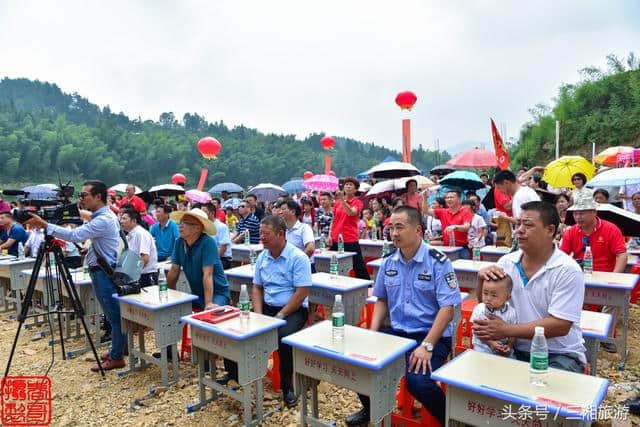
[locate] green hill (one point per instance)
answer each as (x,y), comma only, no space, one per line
(603,108)
(43,130)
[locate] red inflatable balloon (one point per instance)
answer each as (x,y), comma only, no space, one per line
(307,175)
(327,142)
(209,147)
(332,173)
(178,178)
(405,100)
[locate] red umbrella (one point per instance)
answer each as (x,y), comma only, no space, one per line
(475,158)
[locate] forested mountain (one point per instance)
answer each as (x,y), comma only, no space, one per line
(603,108)
(43,130)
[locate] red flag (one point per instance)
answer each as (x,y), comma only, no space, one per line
(502,156)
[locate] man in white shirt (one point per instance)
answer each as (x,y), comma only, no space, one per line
(298,234)
(478,229)
(548,291)
(32,246)
(507,182)
(222,236)
(141,242)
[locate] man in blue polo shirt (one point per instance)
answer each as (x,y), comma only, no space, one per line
(11,234)
(281,284)
(165,232)
(417,287)
(197,253)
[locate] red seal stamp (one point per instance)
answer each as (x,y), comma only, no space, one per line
(26,401)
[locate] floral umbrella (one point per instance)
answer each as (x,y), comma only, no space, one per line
(321,183)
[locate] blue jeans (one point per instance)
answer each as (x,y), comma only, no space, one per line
(104,289)
(422,387)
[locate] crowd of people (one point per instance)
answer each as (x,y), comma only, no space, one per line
(539,284)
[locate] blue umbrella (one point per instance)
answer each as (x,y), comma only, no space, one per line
(294,186)
(234,203)
(229,187)
(38,192)
(464,180)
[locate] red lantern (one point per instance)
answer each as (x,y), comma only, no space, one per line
(209,147)
(307,175)
(178,178)
(332,173)
(327,142)
(405,100)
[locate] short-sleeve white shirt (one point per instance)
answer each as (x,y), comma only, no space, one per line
(522,196)
(557,290)
(476,224)
(507,313)
(141,242)
(300,235)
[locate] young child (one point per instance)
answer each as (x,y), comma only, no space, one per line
(495,294)
(232,220)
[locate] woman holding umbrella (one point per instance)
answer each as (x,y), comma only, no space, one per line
(346,214)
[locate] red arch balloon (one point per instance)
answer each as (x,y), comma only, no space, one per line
(209,147)
(178,178)
(406,100)
(328,142)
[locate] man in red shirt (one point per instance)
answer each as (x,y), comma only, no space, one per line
(346,215)
(605,240)
(454,220)
(138,204)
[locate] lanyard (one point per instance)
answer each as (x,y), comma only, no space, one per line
(523,276)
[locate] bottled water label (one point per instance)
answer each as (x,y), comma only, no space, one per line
(244,306)
(333,269)
(539,361)
(163,286)
(476,254)
(338,320)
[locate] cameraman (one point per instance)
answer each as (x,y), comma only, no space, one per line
(104,231)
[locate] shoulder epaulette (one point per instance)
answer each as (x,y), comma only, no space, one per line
(438,255)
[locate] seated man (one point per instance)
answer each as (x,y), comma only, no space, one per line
(281,284)
(418,288)
(11,234)
(197,253)
(548,291)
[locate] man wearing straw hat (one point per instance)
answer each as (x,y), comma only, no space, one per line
(197,253)
(605,240)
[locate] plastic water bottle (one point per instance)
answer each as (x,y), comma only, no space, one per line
(337,317)
(587,261)
(539,359)
(233,228)
(244,303)
(476,250)
(85,271)
(452,239)
(323,242)
(315,230)
(340,244)
(374,234)
(425,236)
(385,248)
(20,251)
(247,237)
(252,259)
(514,244)
(333,266)
(163,290)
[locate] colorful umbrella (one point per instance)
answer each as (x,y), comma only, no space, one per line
(233,202)
(611,156)
(229,187)
(475,158)
(464,180)
(393,170)
(267,192)
(198,196)
(321,183)
(166,190)
(558,173)
(294,186)
(616,177)
(399,184)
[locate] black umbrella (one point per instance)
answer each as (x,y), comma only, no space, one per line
(489,201)
(627,222)
(442,170)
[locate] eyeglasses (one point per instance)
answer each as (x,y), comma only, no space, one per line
(242,206)
(189,223)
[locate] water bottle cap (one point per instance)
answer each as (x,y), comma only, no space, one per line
(243,288)
(539,330)
(338,298)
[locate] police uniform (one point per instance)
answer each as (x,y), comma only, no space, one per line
(415,291)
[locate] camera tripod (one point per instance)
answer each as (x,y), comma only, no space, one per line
(54,284)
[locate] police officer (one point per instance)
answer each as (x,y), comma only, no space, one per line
(417,286)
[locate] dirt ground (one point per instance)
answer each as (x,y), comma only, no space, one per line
(81,397)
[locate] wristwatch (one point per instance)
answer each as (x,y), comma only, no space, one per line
(427,346)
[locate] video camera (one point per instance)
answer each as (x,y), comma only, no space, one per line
(56,209)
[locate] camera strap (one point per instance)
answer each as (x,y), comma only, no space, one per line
(102,262)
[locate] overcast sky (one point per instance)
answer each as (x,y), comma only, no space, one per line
(297,67)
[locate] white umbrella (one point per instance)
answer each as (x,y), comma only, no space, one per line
(399,184)
(393,170)
(616,177)
(267,192)
(364,187)
(122,188)
(49,186)
(167,190)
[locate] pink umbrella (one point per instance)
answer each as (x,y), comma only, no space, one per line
(321,183)
(475,158)
(198,196)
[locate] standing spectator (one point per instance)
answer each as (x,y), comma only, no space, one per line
(502,201)
(141,242)
(131,198)
(36,238)
(165,232)
(248,223)
(454,220)
(506,182)
(255,209)
(626,194)
(579,180)
(412,197)
(478,230)
(219,211)
(635,200)
(308,212)
(11,234)
(346,214)
(324,214)
(601,196)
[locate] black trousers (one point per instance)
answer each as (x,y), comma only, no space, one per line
(359,266)
(226,263)
(295,322)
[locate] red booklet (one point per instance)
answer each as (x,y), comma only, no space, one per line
(218,314)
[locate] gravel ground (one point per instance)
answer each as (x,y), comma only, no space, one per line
(81,397)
